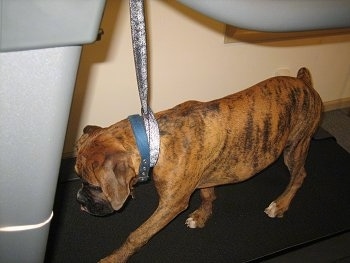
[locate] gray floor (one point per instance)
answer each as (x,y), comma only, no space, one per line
(337,123)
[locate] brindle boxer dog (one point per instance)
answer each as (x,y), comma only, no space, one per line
(202,144)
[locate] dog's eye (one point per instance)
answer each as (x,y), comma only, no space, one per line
(92,187)
(96,188)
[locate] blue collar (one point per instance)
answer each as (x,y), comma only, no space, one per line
(139,130)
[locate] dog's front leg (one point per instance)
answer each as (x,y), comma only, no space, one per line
(199,217)
(166,212)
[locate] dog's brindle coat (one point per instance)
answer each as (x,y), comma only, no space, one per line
(202,144)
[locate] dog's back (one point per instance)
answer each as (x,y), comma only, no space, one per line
(239,135)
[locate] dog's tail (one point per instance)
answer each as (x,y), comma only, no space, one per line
(315,101)
(305,76)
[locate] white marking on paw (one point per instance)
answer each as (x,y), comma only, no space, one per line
(191,223)
(271,211)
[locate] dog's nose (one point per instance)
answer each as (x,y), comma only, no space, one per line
(81,198)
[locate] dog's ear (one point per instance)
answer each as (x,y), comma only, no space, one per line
(117,179)
(90,129)
(87,131)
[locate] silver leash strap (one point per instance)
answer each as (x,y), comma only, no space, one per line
(139,43)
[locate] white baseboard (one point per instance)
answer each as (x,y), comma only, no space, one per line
(336,104)
(68,155)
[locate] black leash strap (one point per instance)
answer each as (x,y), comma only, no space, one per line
(139,42)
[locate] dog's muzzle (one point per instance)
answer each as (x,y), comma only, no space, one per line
(93,201)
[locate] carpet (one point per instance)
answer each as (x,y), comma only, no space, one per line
(337,122)
(238,231)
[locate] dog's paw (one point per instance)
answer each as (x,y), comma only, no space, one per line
(191,223)
(275,210)
(271,210)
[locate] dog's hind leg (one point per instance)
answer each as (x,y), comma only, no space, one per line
(199,217)
(294,157)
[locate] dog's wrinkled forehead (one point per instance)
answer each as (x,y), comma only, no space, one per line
(93,149)
(80,163)
(85,169)
(90,155)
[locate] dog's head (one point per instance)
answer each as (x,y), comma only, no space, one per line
(106,169)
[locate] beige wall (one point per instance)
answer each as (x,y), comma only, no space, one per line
(189,60)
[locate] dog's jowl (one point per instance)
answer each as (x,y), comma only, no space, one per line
(202,144)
